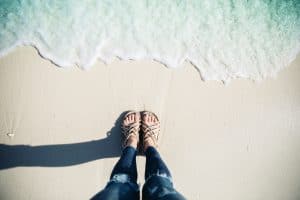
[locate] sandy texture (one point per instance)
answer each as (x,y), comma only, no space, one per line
(239,141)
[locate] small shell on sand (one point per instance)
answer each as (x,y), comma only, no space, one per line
(10,135)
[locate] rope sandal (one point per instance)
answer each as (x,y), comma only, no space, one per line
(151,131)
(131,129)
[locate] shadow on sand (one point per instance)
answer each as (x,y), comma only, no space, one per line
(61,155)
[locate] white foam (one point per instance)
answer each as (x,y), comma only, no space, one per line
(224,39)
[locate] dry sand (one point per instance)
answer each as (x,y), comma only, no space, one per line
(240,141)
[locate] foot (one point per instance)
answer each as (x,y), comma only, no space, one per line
(151,128)
(131,127)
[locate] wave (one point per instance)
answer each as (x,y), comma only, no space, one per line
(223,39)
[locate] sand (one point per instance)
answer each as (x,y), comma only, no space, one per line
(239,141)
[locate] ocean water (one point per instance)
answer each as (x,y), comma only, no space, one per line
(223,39)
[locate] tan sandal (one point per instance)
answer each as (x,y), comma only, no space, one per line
(150,131)
(131,129)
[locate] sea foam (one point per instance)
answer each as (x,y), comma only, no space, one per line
(223,39)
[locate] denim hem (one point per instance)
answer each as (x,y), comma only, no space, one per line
(125,179)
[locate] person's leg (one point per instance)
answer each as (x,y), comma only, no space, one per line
(123,179)
(126,164)
(154,164)
(158,180)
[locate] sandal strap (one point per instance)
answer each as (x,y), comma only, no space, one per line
(151,132)
(129,130)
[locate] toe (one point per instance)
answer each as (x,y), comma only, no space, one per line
(148,118)
(128,119)
(145,117)
(125,121)
(137,117)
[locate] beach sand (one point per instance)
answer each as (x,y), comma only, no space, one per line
(239,141)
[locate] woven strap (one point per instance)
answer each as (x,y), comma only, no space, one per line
(131,129)
(151,132)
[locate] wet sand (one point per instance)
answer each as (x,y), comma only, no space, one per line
(59,130)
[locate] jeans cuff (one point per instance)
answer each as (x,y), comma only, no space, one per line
(125,179)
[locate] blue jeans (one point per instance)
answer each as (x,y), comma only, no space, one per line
(123,180)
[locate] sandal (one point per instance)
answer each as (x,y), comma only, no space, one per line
(131,129)
(150,131)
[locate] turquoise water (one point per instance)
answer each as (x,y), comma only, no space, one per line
(224,39)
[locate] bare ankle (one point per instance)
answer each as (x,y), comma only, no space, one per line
(148,143)
(132,141)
